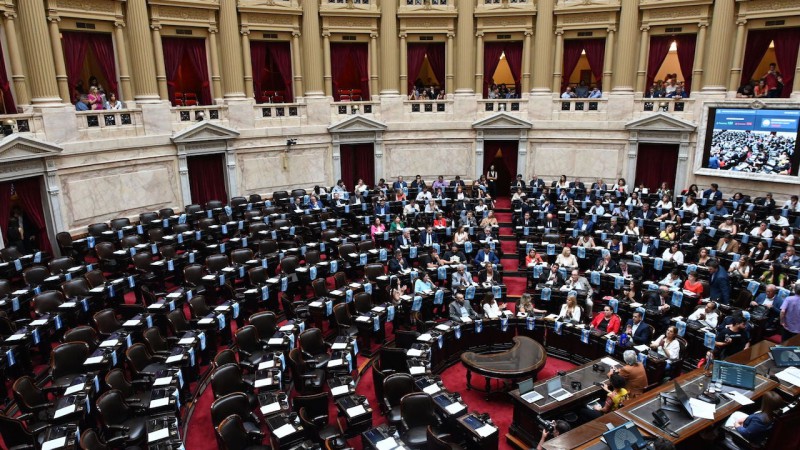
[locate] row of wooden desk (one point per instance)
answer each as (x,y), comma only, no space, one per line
(639,410)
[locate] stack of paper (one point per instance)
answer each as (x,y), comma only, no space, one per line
(790,375)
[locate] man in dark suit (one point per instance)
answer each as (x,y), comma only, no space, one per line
(577,184)
(399,184)
(698,238)
(486,256)
(605,264)
(454,255)
(713,193)
(404,239)
(552,277)
(550,221)
(613,226)
(527,220)
(428,237)
(519,182)
(398,263)
(645,247)
(537,182)
(639,332)
(584,225)
(599,185)
(460,308)
(719,286)
(381,209)
(457,182)
(645,213)
(487,234)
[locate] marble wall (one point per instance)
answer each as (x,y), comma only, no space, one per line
(549,160)
(429,157)
(271,169)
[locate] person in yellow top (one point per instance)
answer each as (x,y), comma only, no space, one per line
(616,395)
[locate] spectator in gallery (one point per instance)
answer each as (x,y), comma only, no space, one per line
(568,94)
(772,82)
(745,91)
(582,90)
(596,92)
(83,103)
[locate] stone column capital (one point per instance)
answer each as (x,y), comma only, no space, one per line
(53,18)
(296,34)
(450,35)
(741,22)
(528,33)
(559,32)
(403,35)
(611,29)
(119,24)
(245,31)
(373,35)
(155,26)
(10,15)
(479,34)
(644,28)
(326,34)
(702,24)
(213,29)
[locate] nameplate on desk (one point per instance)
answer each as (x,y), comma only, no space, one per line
(339,346)
(264,382)
(158,435)
(416,370)
(163,381)
(454,408)
(109,343)
(159,402)
(432,389)
(94,360)
(64,411)
(284,431)
(356,411)
(271,408)
(340,390)
(55,443)
(174,358)
(73,389)
(485,430)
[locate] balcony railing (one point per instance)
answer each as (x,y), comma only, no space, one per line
(278,110)
(500,105)
(348,108)
(111,118)
(23,123)
(428,106)
(664,105)
(197,113)
(581,104)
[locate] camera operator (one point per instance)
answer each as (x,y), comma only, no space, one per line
(554,428)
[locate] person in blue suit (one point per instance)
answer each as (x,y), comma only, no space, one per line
(486,255)
(640,332)
(719,285)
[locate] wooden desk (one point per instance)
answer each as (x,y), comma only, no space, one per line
(585,435)
(640,410)
(758,356)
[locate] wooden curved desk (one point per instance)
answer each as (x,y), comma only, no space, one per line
(523,360)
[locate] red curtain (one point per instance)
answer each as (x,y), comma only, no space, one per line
(206,178)
(75,47)
(513,51)
(196,50)
(30,200)
(103,50)
(491,59)
(416,56)
(358,161)
(506,163)
(350,68)
(5,209)
(281,55)
(572,54)
(757,44)
(175,49)
(173,55)
(596,54)
(787,43)
(659,49)
(656,163)
(258,58)
(436,58)
(686,44)
(5,88)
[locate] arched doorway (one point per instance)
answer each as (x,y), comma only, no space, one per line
(502,154)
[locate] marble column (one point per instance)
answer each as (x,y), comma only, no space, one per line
(738,56)
(216,83)
(718,60)
(558,61)
(403,64)
(608,59)
(145,82)
(161,70)
(465,46)
(248,64)
(38,53)
(623,67)
(641,70)
(125,91)
(543,47)
(58,59)
(373,64)
(297,65)
(479,75)
(449,51)
(390,60)
(326,58)
(17,75)
(796,82)
(526,63)
(699,55)
(231,56)
(312,62)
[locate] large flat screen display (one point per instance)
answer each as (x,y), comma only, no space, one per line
(761,141)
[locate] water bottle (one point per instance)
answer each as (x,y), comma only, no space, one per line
(623,339)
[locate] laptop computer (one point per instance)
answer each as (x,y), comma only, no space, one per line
(555,390)
(527,393)
(785,356)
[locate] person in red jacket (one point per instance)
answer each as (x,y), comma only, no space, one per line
(606,321)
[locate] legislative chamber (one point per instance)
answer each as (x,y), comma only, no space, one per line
(399,224)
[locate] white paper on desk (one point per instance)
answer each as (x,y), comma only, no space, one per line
(263,382)
(432,389)
(737,415)
(442,327)
(315,304)
(159,402)
(73,389)
(609,362)
(378,309)
(15,337)
(340,390)
(271,408)
(363,318)
(64,411)
(790,375)
(414,352)
(424,337)
(55,443)
(356,411)
(339,346)
(158,435)
(38,322)
(275,341)
(266,364)
(67,305)
(174,358)
(163,381)
(155,306)
(186,341)
(641,348)
(740,398)
(466,319)
(701,409)
(94,360)
(109,343)
(206,321)
(336,292)
(635,305)
(485,430)
(131,323)
(97,289)
(386,444)
(287,328)
(222,308)
(174,295)
(416,370)
(335,362)
(453,408)
(551,317)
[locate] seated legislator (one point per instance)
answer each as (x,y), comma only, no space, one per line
(757,426)
(645,247)
(455,256)
(732,338)
(640,332)
(398,263)
(673,253)
(491,309)
(461,278)
(633,372)
(605,264)
(567,259)
(692,284)
(533,258)
(578,283)
(727,244)
(489,275)
(606,321)
(668,346)
(570,311)
(404,239)
(486,257)
(428,237)
(552,277)
(616,394)
(423,284)
(461,310)
(708,314)
(526,306)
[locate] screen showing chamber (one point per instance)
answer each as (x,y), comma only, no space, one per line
(762,141)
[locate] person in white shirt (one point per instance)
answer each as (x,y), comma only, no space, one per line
(597,208)
(570,310)
(689,205)
(567,259)
(411,208)
(490,307)
(360,187)
(707,314)
(777,219)
(431,207)
(672,279)
(761,231)
(424,195)
(667,345)
(664,203)
(793,204)
(673,253)
(113,103)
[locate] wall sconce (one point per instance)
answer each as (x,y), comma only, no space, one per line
(9,127)
(663,106)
